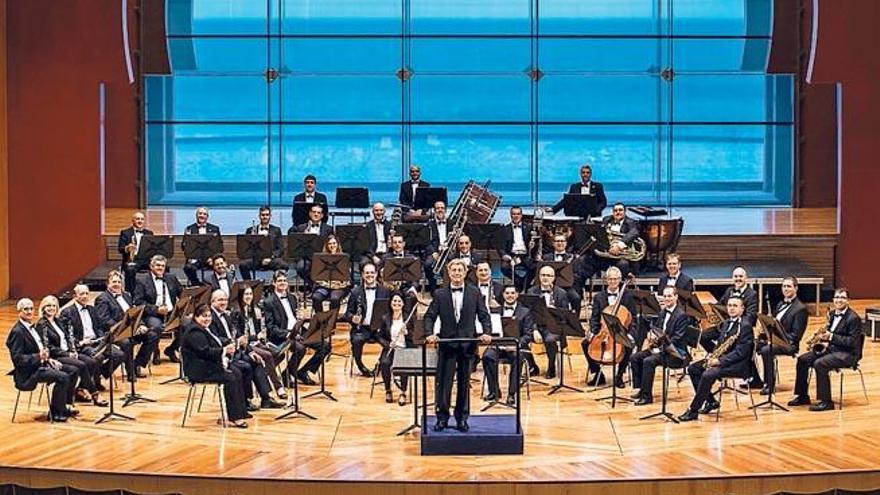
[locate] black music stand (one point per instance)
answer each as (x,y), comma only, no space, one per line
(292,406)
(565,324)
(619,335)
(691,304)
(485,236)
(330,267)
(320,329)
(426,197)
(202,247)
(663,412)
(416,235)
(775,333)
(406,269)
(132,397)
(588,235)
(647,305)
(254,247)
(564,272)
(352,197)
(354,239)
(302,246)
(152,245)
(122,330)
(185,306)
(580,205)
(407,362)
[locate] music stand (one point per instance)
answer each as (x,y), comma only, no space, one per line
(152,245)
(485,236)
(202,247)
(354,239)
(292,406)
(647,305)
(240,285)
(302,246)
(134,323)
(619,335)
(588,235)
(564,272)
(320,329)
(330,267)
(406,269)
(300,212)
(381,307)
(691,304)
(352,197)
(122,330)
(776,337)
(580,205)
(426,197)
(254,247)
(565,324)
(416,235)
(186,303)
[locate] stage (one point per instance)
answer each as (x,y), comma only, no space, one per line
(573,444)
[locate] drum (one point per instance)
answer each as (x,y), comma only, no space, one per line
(480,203)
(661,236)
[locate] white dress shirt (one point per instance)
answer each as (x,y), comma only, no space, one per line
(86,318)
(291,318)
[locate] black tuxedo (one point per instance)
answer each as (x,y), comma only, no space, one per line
(496,291)
(733,363)
(844,350)
(251,371)
(596,189)
(433,247)
(644,363)
(212,280)
(202,362)
(129,266)
(434,244)
(525,268)
(274,234)
(192,266)
(495,353)
(793,321)
(405,197)
(277,333)
(600,302)
(374,240)
(683,282)
(709,339)
(361,334)
(30,370)
(108,313)
(472,259)
(552,342)
(320,198)
(145,293)
(86,367)
(276,262)
(558,296)
(323,230)
(455,358)
(629,228)
(71,317)
(386,358)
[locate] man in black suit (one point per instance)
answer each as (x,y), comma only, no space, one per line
(491,291)
(85,324)
(510,309)
(792,316)
(740,288)
(673,276)
(158,292)
(316,226)
(440,230)
(220,276)
(310,193)
(280,313)
(30,356)
(110,307)
(377,229)
(407,195)
(200,227)
(466,253)
(516,262)
(589,187)
(275,260)
(668,348)
(359,312)
(841,342)
(554,297)
(458,307)
(559,253)
(129,245)
(608,298)
(626,231)
(732,362)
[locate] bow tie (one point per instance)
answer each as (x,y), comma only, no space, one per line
(457,289)
(509,308)
(136,231)
(370,288)
(441,223)
(484,285)
(516,225)
(160,279)
(546,291)
(613,294)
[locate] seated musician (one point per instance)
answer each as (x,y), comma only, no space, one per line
(359,312)
(622,231)
(397,250)
(589,187)
(491,290)
(730,358)
(110,307)
(673,276)
(334,291)
(249,363)
(317,226)
(607,299)
(200,227)
(248,316)
(669,329)
(220,276)
(510,309)
(62,346)
(466,253)
(838,344)
(206,359)
(517,263)
(378,229)
(741,289)
(274,261)
(158,291)
(129,245)
(554,297)
(559,253)
(310,192)
(30,355)
(394,333)
(440,231)
(407,195)
(791,314)
(280,314)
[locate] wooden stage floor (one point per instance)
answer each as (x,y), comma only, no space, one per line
(574,444)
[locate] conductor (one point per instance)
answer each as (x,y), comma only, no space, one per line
(458,306)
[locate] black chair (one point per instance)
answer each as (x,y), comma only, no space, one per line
(727,385)
(18,392)
(191,395)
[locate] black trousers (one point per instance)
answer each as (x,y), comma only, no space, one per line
(269,364)
(248,267)
(322,350)
(119,359)
(644,364)
(233,390)
(86,367)
(131,270)
(192,269)
(703,379)
(522,273)
(453,361)
(551,341)
(149,340)
(360,336)
(595,367)
(769,364)
(254,376)
(709,339)
(62,393)
(822,364)
(491,357)
(321,294)
(386,359)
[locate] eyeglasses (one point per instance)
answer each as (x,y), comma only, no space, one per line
(28,310)
(841,297)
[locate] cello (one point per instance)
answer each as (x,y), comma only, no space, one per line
(604,348)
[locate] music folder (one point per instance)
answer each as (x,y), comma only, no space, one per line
(580,205)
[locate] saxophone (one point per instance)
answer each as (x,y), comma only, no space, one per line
(724,346)
(815,343)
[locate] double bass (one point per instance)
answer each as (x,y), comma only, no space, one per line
(604,348)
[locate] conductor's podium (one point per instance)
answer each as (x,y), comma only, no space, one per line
(489,434)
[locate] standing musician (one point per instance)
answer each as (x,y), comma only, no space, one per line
(378,230)
(673,276)
(249,363)
(607,299)
(559,253)
(624,231)
(248,316)
(792,316)
(670,329)
(33,364)
(554,297)
(730,358)
(310,193)
(458,308)
(129,245)
(395,333)
(516,262)
(589,187)
(280,313)
(62,346)
(158,291)
(206,359)
(110,308)
(200,227)
(510,309)
(837,345)
(317,226)
(440,231)
(220,276)
(407,195)
(275,261)
(740,288)
(359,312)
(334,291)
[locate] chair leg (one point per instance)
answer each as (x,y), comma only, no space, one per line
(528,376)
(201,398)
(220,388)
(187,406)
(736,395)
(720,396)
(752,400)
(864,389)
(30,399)
(841,389)
(15,407)
(40,397)
(373,384)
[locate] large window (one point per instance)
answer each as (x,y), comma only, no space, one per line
(669,100)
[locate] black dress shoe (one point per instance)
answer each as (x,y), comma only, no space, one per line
(305,379)
(270,404)
(550,374)
(72,412)
(172,356)
(688,415)
(490,397)
(752,384)
(156,360)
(799,400)
(100,386)
(251,407)
(619,383)
(636,395)
(709,406)
(511,401)
(643,401)
(765,390)
(825,405)
(534,370)
(367,373)
(441,425)
(58,418)
(248,415)
(462,426)
(597,380)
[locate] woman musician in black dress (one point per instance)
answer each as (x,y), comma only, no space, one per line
(247,316)
(395,332)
